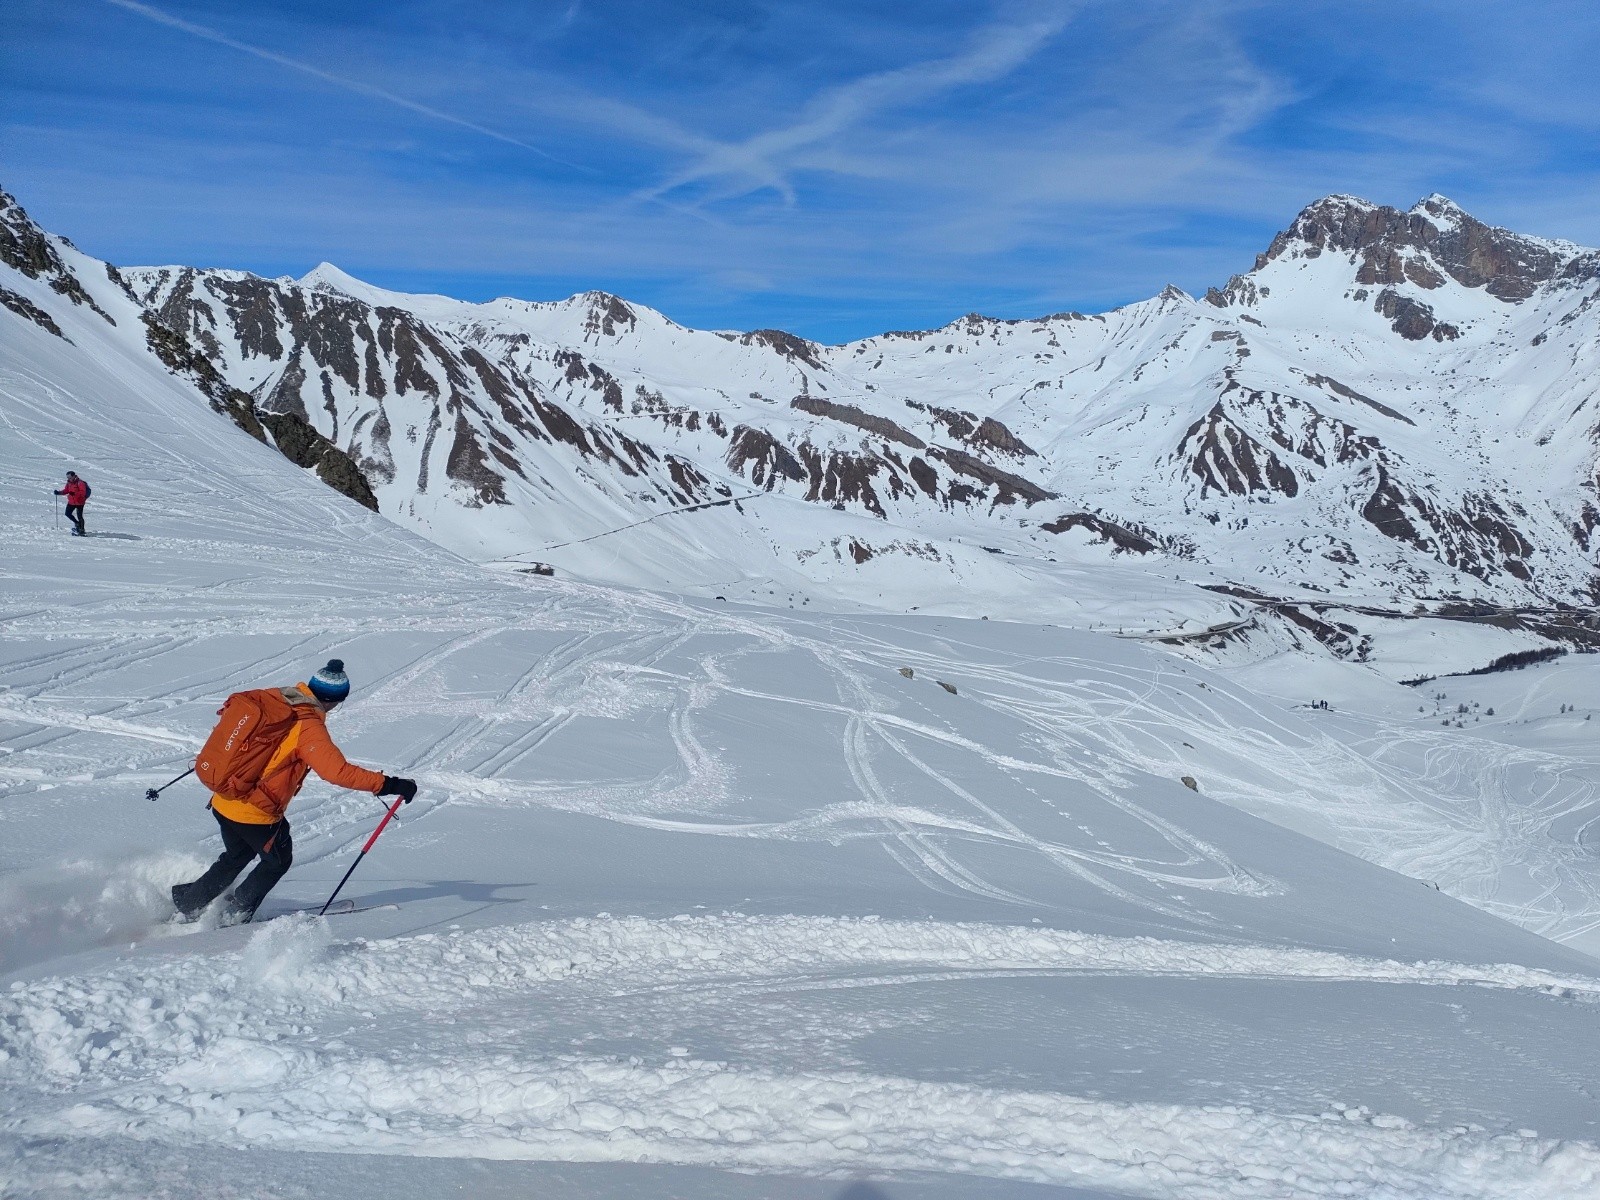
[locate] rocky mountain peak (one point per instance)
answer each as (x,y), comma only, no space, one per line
(1441,209)
(11,212)
(607,314)
(23,244)
(28,249)
(1435,241)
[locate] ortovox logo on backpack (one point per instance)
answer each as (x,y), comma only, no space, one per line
(252,727)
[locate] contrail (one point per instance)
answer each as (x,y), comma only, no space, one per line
(353,85)
(760,161)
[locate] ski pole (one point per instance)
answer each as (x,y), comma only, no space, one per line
(387,817)
(152,793)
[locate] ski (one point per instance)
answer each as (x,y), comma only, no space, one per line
(341,908)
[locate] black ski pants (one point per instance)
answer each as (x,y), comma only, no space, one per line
(240,843)
(75,515)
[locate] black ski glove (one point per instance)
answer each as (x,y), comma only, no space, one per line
(393,785)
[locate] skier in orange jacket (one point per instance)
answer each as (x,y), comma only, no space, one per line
(256,825)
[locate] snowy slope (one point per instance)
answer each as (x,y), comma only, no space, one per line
(710,899)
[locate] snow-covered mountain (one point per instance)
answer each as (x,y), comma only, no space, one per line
(1391,412)
(727,900)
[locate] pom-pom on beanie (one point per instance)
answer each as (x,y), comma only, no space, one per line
(331,684)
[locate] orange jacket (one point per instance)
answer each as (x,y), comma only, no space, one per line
(307,747)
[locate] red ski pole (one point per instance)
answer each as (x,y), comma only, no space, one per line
(387,817)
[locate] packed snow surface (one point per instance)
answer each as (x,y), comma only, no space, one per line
(720,900)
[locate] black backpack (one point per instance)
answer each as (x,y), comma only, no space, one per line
(87,490)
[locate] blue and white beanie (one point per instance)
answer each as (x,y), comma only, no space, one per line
(331,684)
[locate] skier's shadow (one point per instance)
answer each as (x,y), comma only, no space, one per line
(473,892)
(116,537)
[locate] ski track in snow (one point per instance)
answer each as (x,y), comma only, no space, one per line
(200,1049)
(1451,824)
(576,677)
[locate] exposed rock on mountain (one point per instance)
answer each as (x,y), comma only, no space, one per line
(794,349)
(1119,536)
(1433,240)
(183,360)
(291,433)
(851,415)
(28,250)
(1412,319)
(1008,488)
(29,311)
(1225,458)
(759,456)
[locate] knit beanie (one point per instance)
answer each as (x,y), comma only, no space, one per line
(331,684)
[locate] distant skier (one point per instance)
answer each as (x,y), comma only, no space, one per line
(259,755)
(77,493)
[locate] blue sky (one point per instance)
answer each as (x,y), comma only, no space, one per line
(835,169)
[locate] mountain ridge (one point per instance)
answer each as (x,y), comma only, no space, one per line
(1390,405)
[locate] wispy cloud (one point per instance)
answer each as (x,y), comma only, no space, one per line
(766,160)
(851,167)
(151,13)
